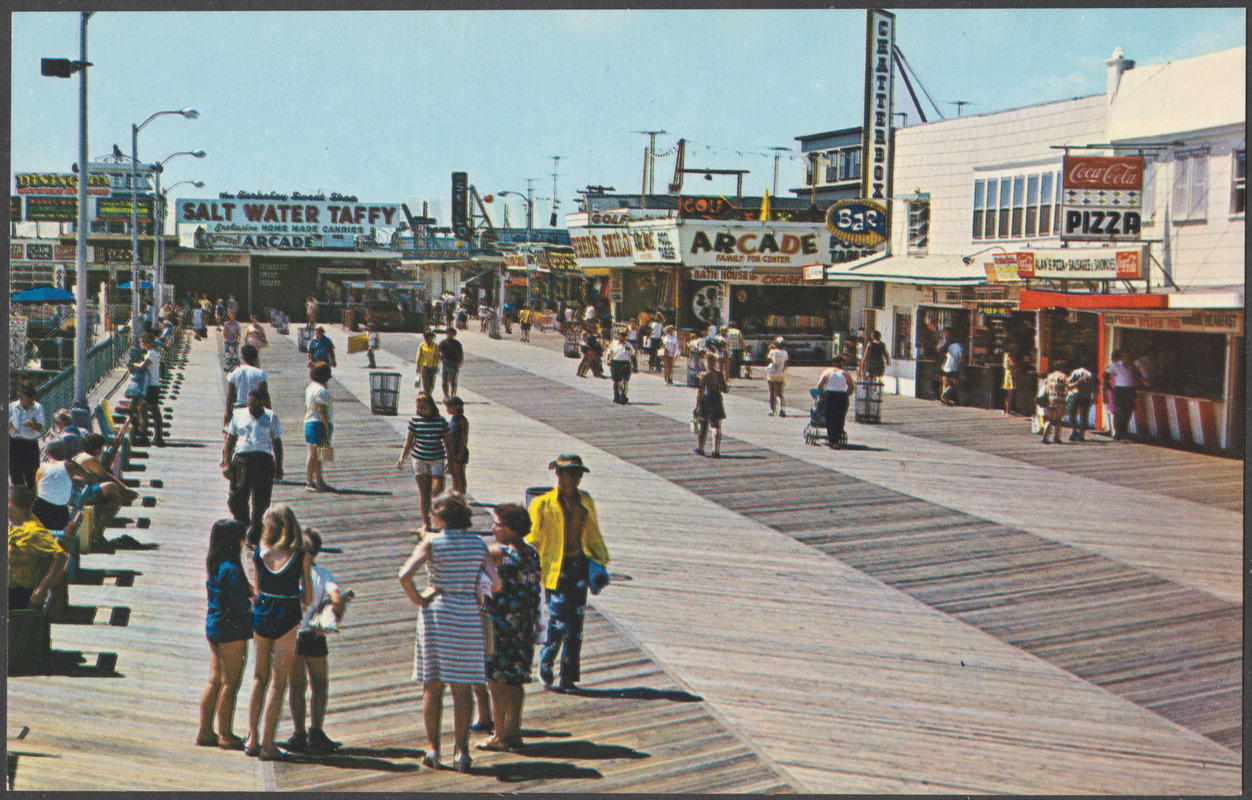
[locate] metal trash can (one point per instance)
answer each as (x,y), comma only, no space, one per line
(384,393)
(304,336)
(693,370)
(869,401)
(573,344)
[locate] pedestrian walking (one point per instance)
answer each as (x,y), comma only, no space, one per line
(451,356)
(309,670)
(1079,386)
(836,387)
(254,334)
(243,380)
(514,614)
(318,426)
(621,354)
(953,358)
(524,322)
(228,628)
(449,646)
(656,337)
(284,586)
(566,533)
(1119,382)
(150,361)
(252,459)
(430,441)
(776,358)
(709,406)
(26,424)
(371,344)
(592,351)
(669,351)
(458,437)
(632,339)
(1054,386)
(427,362)
(1012,378)
(876,358)
(321,348)
(310,311)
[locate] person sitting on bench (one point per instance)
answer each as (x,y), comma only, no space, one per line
(54,487)
(30,546)
(106,491)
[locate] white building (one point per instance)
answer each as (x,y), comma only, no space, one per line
(971,193)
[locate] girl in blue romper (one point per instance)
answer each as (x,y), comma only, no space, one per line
(228,627)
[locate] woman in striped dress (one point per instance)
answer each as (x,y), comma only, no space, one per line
(449,628)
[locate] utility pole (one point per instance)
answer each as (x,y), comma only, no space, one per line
(648,179)
(556,201)
(778,151)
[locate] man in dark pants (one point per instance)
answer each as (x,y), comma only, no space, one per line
(564,530)
(252,458)
(451,354)
(1119,379)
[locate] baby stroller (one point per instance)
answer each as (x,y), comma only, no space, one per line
(815,431)
(230,354)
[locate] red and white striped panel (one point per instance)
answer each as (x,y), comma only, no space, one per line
(1185,420)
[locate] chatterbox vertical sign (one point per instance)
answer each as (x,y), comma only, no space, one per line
(1102,199)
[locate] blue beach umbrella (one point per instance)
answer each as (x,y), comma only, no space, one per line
(142,285)
(42,294)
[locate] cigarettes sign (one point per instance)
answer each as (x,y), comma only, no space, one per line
(1102,199)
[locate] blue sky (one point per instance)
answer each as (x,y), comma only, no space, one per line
(384,105)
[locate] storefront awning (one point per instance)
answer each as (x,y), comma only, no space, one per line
(418,263)
(478,280)
(1030,299)
(596,272)
(928,270)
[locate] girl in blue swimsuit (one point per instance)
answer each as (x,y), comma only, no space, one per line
(283,587)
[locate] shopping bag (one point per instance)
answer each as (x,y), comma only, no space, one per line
(325,453)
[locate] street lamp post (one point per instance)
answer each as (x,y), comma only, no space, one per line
(162,194)
(189,113)
(158,212)
(63,68)
(529,200)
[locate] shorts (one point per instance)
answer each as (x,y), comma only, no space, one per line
(273,617)
(154,394)
(311,644)
(316,433)
(423,466)
(775,378)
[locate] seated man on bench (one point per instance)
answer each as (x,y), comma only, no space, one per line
(104,491)
(30,547)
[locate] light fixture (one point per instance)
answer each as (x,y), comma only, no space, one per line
(708,176)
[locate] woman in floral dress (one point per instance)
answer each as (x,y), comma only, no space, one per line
(514,611)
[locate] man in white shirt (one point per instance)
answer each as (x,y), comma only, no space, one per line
(951,369)
(252,458)
(776,376)
(1119,379)
(242,380)
(151,361)
(620,354)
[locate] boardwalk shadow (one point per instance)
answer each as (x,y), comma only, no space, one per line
(864,447)
(361,758)
(578,749)
(73,664)
(638,693)
(743,456)
(366,492)
(521,771)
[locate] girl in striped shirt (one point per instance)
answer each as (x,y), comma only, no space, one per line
(430,443)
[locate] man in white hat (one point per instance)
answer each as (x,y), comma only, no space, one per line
(564,529)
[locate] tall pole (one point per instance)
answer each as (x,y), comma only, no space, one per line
(134,232)
(158,244)
(80,255)
(778,151)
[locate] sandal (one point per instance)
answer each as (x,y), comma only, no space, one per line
(461,763)
(431,761)
(208,741)
(493,745)
(230,743)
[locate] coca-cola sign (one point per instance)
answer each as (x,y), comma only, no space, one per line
(1101,199)
(1092,172)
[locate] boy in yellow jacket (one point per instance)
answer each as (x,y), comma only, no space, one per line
(564,529)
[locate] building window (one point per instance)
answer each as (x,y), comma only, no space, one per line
(1006,189)
(1239,182)
(832,168)
(1032,205)
(1019,199)
(979,211)
(1056,220)
(919,226)
(1191,183)
(850,164)
(808,172)
(1045,204)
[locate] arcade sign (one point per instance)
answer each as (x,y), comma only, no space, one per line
(858,222)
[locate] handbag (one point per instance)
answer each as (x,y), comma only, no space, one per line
(489,634)
(325,453)
(597,576)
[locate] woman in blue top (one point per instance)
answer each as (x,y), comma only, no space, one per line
(228,627)
(284,587)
